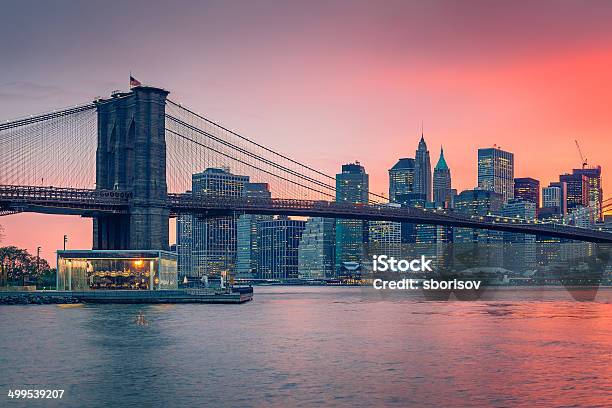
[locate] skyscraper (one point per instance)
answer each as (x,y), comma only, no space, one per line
(385,237)
(352,186)
(496,171)
(442,191)
(422,170)
(401,186)
(527,189)
(520,254)
(477,202)
(480,202)
(434,241)
(248,234)
(554,198)
(577,190)
(316,254)
(415,200)
(184,244)
(214,240)
(401,178)
(595,191)
(280,240)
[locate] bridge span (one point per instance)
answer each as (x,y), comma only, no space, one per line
(215,206)
(92,203)
(129,160)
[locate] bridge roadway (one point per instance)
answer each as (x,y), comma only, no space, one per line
(89,203)
(215,206)
(58,200)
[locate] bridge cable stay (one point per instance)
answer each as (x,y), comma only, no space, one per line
(251,154)
(52,149)
(206,156)
(28,120)
(249,140)
(192,122)
(216,148)
(248,164)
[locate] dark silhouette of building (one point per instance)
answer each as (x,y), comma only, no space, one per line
(595,190)
(577,190)
(401,178)
(422,170)
(527,189)
(279,243)
(352,186)
(442,192)
(478,202)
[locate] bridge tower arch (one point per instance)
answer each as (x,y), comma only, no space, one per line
(131,156)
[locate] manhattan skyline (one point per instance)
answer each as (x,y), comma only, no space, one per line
(354,80)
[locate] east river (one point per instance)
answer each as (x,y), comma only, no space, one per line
(315,346)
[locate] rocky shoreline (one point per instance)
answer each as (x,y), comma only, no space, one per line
(235,295)
(36,299)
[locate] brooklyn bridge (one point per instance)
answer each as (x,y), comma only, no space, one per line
(127,161)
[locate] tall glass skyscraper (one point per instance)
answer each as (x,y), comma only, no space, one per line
(316,255)
(184,244)
(496,171)
(527,189)
(422,170)
(385,237)
(554,198)
(352,186)
(248,234)
(489,243)
(442,191)
(213,241)
(595,190)
(278,253)
(418,200)
(577,190)
(520,254)
(401,179)
(401,186)
(477,202)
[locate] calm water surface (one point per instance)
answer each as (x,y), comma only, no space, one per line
(321,346)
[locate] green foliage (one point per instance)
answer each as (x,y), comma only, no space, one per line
(17,264)
(47,280)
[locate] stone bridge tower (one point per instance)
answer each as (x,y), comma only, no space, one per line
(131,156)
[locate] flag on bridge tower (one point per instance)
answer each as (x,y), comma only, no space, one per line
(134,82)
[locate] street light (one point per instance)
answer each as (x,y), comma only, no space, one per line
(37,264)
(65,241)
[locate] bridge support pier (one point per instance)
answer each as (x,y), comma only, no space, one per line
(131,156)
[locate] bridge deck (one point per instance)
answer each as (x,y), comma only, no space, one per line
(90,202)
(185,203)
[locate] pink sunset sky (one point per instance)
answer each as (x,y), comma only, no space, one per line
(330,82)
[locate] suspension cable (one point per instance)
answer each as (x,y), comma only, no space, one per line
(249,140)
(251,154)
(45,116)
(247,164)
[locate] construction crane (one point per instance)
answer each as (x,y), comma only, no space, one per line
(583,159)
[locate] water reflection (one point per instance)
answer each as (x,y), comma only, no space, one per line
(317,346)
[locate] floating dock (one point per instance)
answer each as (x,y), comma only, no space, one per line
(234,295)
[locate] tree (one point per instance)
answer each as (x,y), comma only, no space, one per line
(16,264)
